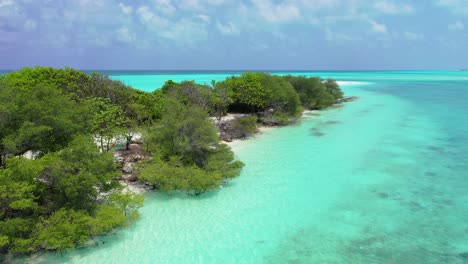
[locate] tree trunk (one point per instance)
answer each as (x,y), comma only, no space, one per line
(102,145)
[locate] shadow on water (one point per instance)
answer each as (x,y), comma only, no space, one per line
(316,132)
(161,196)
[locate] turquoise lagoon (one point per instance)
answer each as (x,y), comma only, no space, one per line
(380,180)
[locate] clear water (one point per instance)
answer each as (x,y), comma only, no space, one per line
(380,180)
(152,80)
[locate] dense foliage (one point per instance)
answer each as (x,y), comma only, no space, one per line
(188,153)
(51,203)
(41,109)
(275,99)
(315,93)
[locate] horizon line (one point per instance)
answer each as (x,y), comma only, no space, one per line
(240,70)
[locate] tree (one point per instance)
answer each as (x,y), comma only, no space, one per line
(50,203)
(248,93)
(245,126)
(221,99)
(187,153)
(284,99)
(333,88)
(185,132)
(108,122)
(189,93)
(314,93)
(64,229)
(263,93)
(74,176)
(41,120)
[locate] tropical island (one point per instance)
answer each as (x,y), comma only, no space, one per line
(66,138)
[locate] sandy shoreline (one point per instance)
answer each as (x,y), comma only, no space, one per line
(351,83)
(266,129)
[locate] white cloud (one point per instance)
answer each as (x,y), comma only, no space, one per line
(4,3)
(388,7)
(199,5)
(204,18)
(413,36)
(30,25)
(277,12)
(228,28)
(149,18)
(320,4)
(455,6)
(126,9)
(338,37)
(185,32)
(456,26)
(378,28)
(165,6)
(125,35)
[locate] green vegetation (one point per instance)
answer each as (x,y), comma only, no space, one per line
(69,123)
(51,203)
(275,99)
(246,126)
(188,153)
(314,93)
(260,92)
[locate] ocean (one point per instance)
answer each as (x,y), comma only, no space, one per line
(383,179)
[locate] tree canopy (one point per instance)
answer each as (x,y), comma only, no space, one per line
(189,154)
(50,203)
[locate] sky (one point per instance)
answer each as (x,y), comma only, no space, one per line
(235,34)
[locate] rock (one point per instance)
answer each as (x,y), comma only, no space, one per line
(346,99)
(134,158)
(129,177)
(137,187)
(134,147)
(127,168)
(228,129)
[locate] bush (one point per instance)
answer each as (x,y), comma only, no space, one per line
(245,126)
(314,93)
(188,155)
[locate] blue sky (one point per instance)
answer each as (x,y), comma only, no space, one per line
(235,34)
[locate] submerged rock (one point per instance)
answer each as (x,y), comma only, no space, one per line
(346,99)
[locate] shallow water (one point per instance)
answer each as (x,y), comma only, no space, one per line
(152,80)
(379,180)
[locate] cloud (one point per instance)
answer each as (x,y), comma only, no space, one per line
(199,5)
(227,29)
(388,7)
(455,6)
(151,19)
(281,12)
(165,6)
(185,32)
(204,18)
(125,35)
(30,25)
(378,28)
(4,3)
(412,36)
(126,9)
(457,26)
(338,37)
(320,4)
